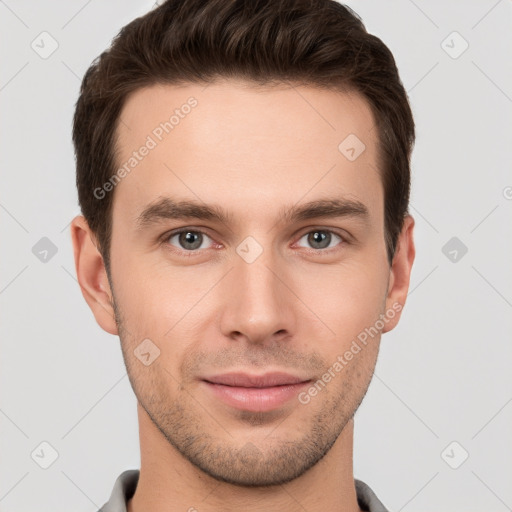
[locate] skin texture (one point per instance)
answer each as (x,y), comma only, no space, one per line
(296,308)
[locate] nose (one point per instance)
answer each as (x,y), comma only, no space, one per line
(258,306)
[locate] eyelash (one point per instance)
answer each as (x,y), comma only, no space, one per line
(190,254)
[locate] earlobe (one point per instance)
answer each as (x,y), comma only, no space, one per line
(91,274)
(400,274)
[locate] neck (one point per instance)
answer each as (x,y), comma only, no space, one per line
(169,482)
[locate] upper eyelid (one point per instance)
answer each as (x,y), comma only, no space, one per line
(312,230)
(178,231)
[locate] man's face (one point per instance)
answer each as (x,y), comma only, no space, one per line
(256,292)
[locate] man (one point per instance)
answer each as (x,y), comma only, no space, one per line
(243,174)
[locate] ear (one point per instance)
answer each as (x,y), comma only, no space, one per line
(400,273)
(91,274)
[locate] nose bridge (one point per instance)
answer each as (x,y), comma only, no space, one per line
(257,302)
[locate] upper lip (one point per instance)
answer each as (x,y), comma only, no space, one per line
(247,380)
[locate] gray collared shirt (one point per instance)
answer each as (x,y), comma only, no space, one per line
(126,483)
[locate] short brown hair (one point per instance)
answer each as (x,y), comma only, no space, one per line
(308,42)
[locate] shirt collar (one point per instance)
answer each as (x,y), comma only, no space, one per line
(126,483)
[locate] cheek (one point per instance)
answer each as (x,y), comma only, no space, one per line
(347,298)
(149,301)
(164,305)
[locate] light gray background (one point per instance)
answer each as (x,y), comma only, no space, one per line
(443,374)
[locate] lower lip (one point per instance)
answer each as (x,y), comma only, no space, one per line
(256,399)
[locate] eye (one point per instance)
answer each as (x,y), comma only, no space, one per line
(321,239)
(188,240)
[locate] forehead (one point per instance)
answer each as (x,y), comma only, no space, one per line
(252,148)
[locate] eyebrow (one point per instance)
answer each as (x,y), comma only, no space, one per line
(168,208)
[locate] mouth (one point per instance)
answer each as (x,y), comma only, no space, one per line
(257,393)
